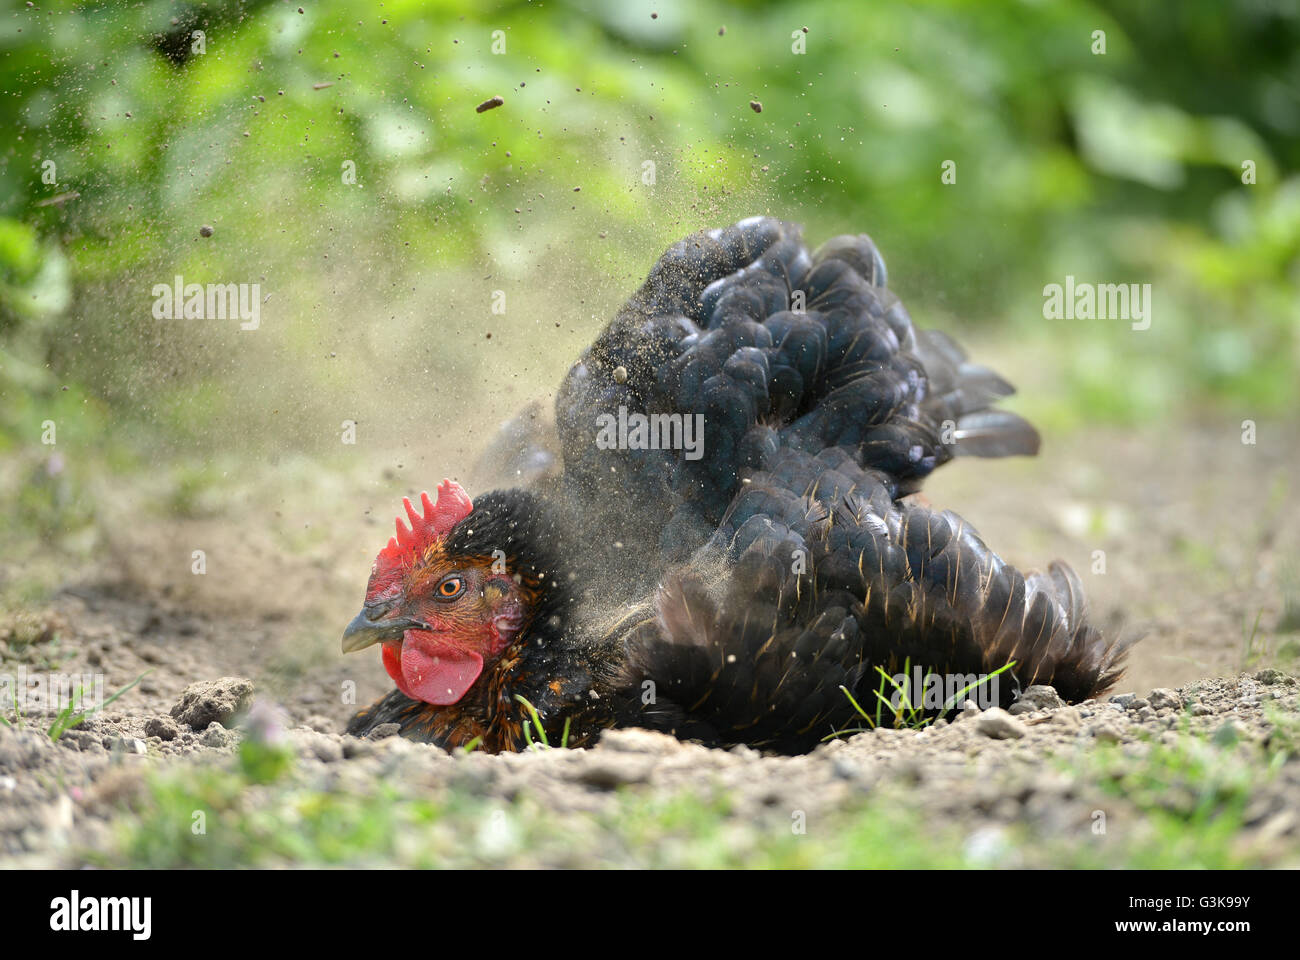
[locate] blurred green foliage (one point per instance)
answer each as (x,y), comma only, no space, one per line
(130,125)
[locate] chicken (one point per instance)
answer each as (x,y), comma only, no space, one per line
(729,551)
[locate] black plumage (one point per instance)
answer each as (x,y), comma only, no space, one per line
(736,591)
(778,348)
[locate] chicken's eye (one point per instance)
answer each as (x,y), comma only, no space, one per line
(450,588)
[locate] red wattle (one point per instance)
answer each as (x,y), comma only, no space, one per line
(428,669)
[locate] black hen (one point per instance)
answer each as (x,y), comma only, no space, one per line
(725,554)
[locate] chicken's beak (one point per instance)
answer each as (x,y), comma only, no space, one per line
(363,632)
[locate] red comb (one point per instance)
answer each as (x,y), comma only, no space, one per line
(452,506)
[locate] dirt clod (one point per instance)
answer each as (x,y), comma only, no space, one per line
(164,728)
(1037,697)
(212,701)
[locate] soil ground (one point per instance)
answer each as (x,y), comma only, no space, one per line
(1201,552)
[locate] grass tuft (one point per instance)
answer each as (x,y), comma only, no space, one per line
(906,715)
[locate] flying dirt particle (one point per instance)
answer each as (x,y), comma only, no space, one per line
(620,374)
(490,104)
(205,230)
(755,106)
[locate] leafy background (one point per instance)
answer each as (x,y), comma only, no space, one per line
(1122,167)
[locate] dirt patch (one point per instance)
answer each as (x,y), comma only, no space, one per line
(1213,587)
(979,779)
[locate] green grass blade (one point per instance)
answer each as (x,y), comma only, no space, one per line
(856,706)
(956,698)
(67,718)
(537,722)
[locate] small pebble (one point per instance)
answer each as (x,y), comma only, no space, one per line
(1162,697)
(997,724)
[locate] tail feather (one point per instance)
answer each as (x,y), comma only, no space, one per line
(963,393)
(995,433)
(833,579)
